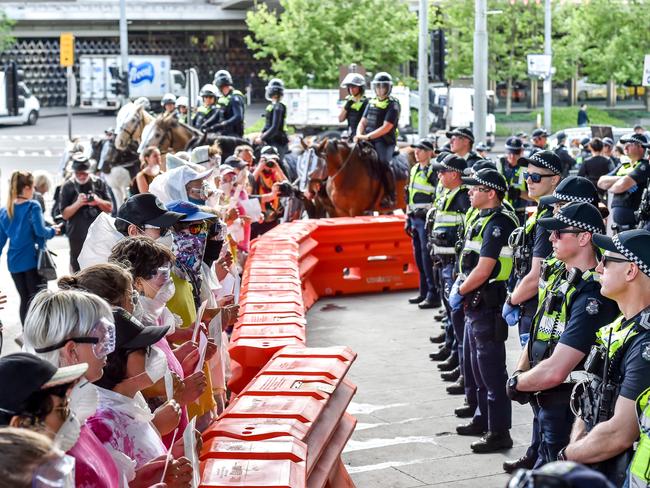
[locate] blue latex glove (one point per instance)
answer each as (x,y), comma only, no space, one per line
(511,314)
(455,298)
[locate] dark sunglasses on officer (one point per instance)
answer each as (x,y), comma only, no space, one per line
(536,177)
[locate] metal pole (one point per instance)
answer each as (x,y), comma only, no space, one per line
(480,69)
(423,72)
(548,80)
(70,101)
(124,39)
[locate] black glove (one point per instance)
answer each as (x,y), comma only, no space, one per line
(515,395)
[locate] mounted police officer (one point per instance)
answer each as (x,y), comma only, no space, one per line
(379,126)
(355,103)
(168,103)
(627,181)
(509,167)
(618,365)
(485,266)
(420,194)
(451,205)
(531,246)
(206,114)
(570,312)
(461,141)
(231,106)
(182,109)
(274,132)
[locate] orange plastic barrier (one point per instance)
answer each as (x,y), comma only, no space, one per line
(288,425)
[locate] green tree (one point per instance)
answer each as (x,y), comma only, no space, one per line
(308,39)
(6,40)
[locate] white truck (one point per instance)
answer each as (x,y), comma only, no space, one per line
(312,109)
(28,105)
(149,76)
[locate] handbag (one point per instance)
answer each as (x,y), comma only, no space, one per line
(45,266)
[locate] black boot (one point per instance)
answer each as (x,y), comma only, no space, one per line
(492,442)
(524,462)
(441,354)
(449,364)
(452,375)
(388,201)
(470,429)
(458,388)
(465,412)
(439,339)
(416,300)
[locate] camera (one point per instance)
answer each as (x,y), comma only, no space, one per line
(90,197)
(270,164)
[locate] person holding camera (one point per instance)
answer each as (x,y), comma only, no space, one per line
(83,198)
(268,175)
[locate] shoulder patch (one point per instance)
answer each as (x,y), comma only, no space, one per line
(593,306)
(645,351)
(496,231)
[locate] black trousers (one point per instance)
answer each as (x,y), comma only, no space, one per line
(28,283)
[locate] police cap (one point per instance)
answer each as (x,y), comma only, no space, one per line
(544,159)
(465,132)
(489,178)
(633,244)
(573,189)
(583,216)
(514,145)
(451,162)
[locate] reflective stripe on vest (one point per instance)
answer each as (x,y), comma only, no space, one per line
(356,105)
(444,250)
(640,465)
(626,168)
(619,335)
(444,216)
(419,183)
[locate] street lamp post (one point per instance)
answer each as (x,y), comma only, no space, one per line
(480,69)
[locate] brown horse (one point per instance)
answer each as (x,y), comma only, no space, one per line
(353,186)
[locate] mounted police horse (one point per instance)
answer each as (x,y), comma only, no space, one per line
(352,177)
(129,124)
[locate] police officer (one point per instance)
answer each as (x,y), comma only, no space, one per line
(531,245)
(627,182)
(206,114)
(274,132)
(421,191)
(451,205)
(538,138)
(231,106)
(485,266)
(563,153)
(576,189)
(168,103)
(461,141)
(619,363)
(379,126)
(513,172)
(570,312)
(181,109)
(482,150)
(355,103)
(639,470)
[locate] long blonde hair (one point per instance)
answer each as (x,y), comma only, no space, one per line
(19,180)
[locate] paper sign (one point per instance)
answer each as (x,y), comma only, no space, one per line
(169,385)
(189,443)
(203,346)
(252,208)
(199,316)
(169,455)
(214,327)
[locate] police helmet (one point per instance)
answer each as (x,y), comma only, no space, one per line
(221,78)
(144,102)
(168,98)
(182,102)
(354,79)
(274,87)
(209,90)
(382,79)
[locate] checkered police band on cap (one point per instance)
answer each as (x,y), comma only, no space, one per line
(571,198)
(538,161)
(628,254)
(489,184)
(575,223)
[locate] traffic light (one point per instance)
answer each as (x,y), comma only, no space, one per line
(120,82)
(13,76)
(437,63)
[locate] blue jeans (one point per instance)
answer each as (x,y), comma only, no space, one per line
(423,259)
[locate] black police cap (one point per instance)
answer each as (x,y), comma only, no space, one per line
(573,189)
(545,159)
(489,178)
(514,145)
(451,162)
(425,144)
(481,146)
(583,216)
(640,139)
(465,132)
(479,165)
(540,133)
(633,244)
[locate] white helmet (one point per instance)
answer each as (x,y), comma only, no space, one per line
(168,98)
(209,90)
(182,102)
(144,102)
(353,79)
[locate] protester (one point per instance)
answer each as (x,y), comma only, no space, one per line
(42,185)
(21,222)
(149,169)
(266,175)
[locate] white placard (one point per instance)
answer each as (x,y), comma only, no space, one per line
(199,317)
(203,346)
(189,444)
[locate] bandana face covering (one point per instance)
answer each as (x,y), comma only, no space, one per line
(189,250)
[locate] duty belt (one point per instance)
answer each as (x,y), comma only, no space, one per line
(444,250)
(417,206)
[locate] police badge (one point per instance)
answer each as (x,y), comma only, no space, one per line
(496,232)
(645,351)
(592,307)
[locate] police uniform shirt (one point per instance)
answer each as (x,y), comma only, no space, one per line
(542,247)
(432,178)
(461,202)
(495,235)
(390,114)
(640,175)
(635,367)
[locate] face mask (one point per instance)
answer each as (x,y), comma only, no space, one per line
(167,240)
(155,364)
(153,307)
(227,188)
(68,434)
(83,400)
(189,250)
(196,201)
(138,310)
(58,473)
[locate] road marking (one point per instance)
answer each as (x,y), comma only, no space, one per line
(21,153)
(367,408)
(47,153)
(354,445)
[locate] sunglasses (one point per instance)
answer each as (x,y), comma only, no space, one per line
(536,177)
(557,234)
(195,229)
(612,259)
(163,230)
(482,189)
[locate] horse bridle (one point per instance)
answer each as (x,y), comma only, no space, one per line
(347,160)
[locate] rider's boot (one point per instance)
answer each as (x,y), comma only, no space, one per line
(388,201)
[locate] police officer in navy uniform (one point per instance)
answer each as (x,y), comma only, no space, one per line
(563,153)
(571,309)
(274,132)
(509,167)
(627,181)
(206,114)
(485,266)
(379,126)
(355,103)
(231,106)
(538,139)
(450,206)
(420,193)
(574,189)
(461,141)
(619,363)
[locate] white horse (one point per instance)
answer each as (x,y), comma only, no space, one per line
(129,124)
